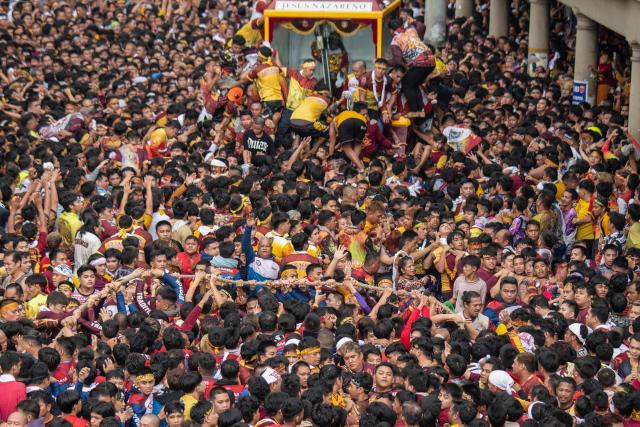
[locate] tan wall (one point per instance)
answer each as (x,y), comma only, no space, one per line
(621,16)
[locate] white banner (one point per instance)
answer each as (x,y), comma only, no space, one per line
(324,6)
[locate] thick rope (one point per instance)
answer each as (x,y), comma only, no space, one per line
(290,282)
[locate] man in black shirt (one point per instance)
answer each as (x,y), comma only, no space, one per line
(257,142)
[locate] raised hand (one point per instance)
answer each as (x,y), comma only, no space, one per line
(108,365)
(125,415)
(341,252)
(84,374)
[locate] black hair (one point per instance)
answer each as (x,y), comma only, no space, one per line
(189,381)
(273,402)
(67,400)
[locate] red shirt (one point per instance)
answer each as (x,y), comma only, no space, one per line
(529,384)
(76,421)
(236,389)
(13,392)
(186,266)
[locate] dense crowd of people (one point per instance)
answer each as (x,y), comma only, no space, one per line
(194,234)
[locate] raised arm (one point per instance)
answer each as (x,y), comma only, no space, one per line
(382,301)
(247,247)
(340,253)
(148,202)
(296,154)
(193,286)
(126,183)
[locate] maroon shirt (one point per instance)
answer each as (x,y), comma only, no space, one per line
(489,279)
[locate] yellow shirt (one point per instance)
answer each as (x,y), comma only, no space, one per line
(268,79)
(310,109)
(313,250)
(448,276)
(442,161)
(633,239)
(34,304)
(189,402)
(158,137)
(560,187)
(585,231)
(346,115)
(68,225)
(281,246)
(251,32)
(603,228)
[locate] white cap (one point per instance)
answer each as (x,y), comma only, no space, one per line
(270,375)
(578,329)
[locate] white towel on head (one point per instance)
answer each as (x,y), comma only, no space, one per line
(501,380)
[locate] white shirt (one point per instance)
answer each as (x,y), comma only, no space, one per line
(155,219)
(86,244)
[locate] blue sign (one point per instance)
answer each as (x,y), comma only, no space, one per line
(580,88)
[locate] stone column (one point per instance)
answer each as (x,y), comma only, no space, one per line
(464,8)
(538,34)
(587,55)
(634,100)
(498,18)
(435,19)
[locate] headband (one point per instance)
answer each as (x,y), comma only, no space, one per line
(250,359)
(65,285)
(145,377)
(348,319)
(235,211)
(98,261)
(295,341)
(342,341)
(267,220)
(310,350)
(123,232)
(9,307)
